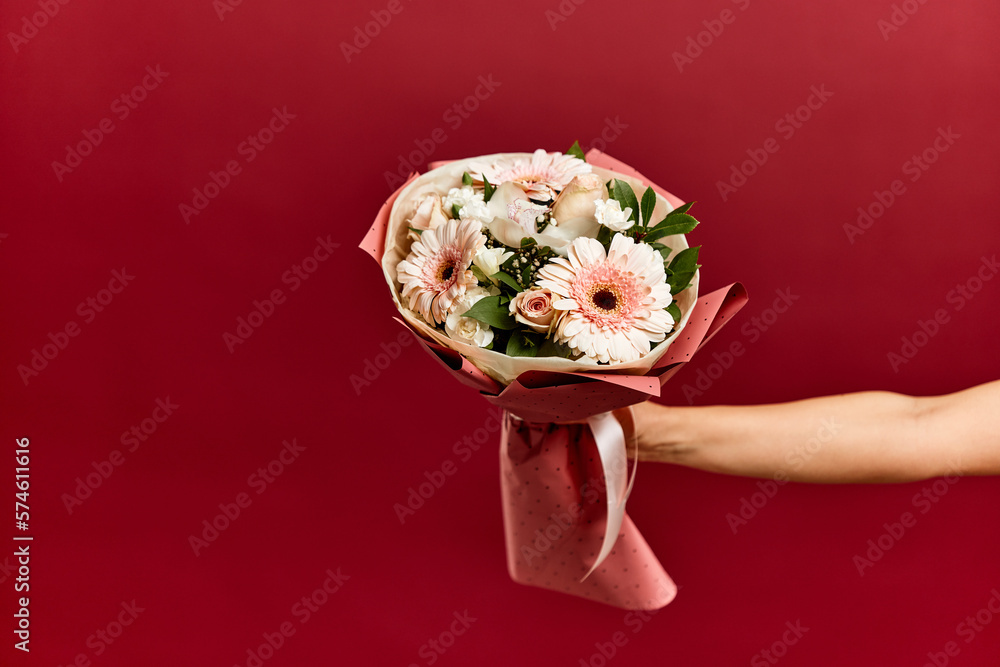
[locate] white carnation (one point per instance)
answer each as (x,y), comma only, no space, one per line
(476,209)
(462,197)
(610,214)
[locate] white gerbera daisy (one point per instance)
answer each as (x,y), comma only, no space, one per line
(436,272)
(542,176)
(612,304)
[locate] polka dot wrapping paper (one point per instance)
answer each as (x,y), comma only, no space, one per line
(554,485)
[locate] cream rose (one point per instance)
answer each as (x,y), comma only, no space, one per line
(577,200)
(466,329)
(533,308)
(428,213)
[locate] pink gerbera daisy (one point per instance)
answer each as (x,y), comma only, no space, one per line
(612,304)
(436,272)
(542,176)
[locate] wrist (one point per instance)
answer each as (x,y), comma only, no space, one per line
(663,433)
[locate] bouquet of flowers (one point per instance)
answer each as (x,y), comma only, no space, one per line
(559,286)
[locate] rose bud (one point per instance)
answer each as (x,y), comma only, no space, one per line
(577,199)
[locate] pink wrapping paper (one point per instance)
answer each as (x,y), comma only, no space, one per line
(553,486)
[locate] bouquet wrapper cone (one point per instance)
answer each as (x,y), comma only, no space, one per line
(563,473)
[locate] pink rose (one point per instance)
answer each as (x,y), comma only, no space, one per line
(533,308)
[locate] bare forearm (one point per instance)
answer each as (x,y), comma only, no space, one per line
(862,437)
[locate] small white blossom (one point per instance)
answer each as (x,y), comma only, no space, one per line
(477,210)
(610,214)
(461,197)
(466,329)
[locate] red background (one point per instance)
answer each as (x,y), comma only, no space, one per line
(323,175)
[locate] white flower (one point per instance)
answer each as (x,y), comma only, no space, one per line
(461,197)
(477,210)
(613,304)
(466,329)
(514,217)
(610,214)
(489,260)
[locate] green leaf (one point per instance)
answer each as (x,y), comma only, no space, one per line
(418,231)
(682,269)
(662,249)
(488,190)
(679,224)
(686,260)
(527,242)
(480,275)
(604,236)
(576,151)
(506,279)
(684,208)
(466,179)
(488,310)
(455,211)
(675,311)
(522,344)
(648,204)
(626,197)
(550,348)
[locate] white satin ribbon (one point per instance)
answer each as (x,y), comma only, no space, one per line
(610,438)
